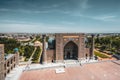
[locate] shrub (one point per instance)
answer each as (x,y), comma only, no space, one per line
(100,55)
(36,55)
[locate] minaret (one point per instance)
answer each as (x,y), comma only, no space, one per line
(92,47)
(17,55)
(2,77)
(44,61)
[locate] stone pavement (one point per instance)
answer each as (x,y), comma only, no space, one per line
(107,70)
(15,74)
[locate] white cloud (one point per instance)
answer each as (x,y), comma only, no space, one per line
(36,11)
(80,5)
(32,28)
(12,21)
(37,28)
(67,22)
(97,17)
(4,9)
(45,28)
(25,10)
(105,18)
(84,4)
(53,6)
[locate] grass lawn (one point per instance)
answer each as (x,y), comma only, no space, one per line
(100,55)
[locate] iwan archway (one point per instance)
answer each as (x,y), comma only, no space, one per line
(70,51)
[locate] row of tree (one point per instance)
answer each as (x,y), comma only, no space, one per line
(28,51)
(25,51)
(108,43)
(36,55)
(9,44)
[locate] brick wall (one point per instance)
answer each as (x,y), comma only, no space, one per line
(50,55)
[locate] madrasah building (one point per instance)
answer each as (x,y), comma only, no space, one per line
(66,46)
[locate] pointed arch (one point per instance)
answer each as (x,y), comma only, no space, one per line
(70,50)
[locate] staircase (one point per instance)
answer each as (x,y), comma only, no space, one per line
(69,63)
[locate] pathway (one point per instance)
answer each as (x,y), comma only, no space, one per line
(29,61)
(40,53)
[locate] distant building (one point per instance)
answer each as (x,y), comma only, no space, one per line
(22,38)
(37,43)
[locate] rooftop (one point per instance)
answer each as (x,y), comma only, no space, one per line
(9,56)
(108,70)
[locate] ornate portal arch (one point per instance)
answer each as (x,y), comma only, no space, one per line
(69,46)
(70,50)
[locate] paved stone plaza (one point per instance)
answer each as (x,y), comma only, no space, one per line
(108,70)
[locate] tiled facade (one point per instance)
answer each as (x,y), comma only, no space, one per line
(64,41)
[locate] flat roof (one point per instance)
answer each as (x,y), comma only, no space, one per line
(9,56)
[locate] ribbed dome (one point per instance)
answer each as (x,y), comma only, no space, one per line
(16,50)
(51,43)
(50,40)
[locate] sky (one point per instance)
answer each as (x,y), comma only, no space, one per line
(56,16)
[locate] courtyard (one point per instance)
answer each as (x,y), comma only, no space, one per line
(106,70)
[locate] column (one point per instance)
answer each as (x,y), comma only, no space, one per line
(44,61)
(92,47)
(71,53)
(16,52)
(65,55)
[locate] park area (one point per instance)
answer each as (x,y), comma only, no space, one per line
(103,56)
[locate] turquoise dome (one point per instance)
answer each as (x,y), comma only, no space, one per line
(50,40)
(51,43)
(16,50)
